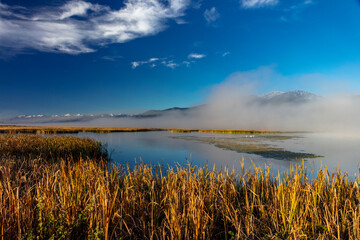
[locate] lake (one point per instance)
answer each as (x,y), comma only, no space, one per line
(228,150)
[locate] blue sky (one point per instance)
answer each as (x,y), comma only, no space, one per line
(77,56)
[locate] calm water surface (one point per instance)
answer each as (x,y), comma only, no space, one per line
(166,148)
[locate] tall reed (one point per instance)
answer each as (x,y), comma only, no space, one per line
(50,147)
(85,199)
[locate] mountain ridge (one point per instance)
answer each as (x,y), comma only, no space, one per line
(274,98)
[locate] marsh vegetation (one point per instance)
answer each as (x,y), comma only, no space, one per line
(60,130)
(50,193)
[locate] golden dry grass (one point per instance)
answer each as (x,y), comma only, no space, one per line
(50,147)
(59,129)
(55,130)
(85,199)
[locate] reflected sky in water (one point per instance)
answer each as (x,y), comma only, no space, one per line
(166,148)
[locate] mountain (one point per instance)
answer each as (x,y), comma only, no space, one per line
(175,111)
(271,98)
(270,95)
(158,113)
(291,97)
(275,98)
(66,118)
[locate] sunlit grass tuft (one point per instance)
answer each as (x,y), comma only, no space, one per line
(50,147)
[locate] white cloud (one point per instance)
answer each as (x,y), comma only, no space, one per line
(170,64)
(54,29)
(152,62)
(187,63)
(211,15)
(225,54)
(111,57)
(196,55)
(197,3)
(76,8)
(135,64)
(180,21)
(167,62)
(258,3)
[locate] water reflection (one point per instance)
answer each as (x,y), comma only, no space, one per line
(167,148)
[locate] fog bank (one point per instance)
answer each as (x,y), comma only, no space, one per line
(237,104)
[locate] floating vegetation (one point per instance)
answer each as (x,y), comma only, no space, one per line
(223,131)
(278,137)
(254,145)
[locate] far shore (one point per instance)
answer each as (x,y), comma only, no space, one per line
(5,129)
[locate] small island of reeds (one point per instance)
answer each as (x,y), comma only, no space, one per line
(61,187)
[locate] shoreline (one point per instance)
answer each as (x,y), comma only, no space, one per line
(7,129)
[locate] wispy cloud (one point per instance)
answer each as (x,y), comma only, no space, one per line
(300,5)
(293,10)
(136,64)
(152,62)
(211,15)
(196,56)
(59,29)
(258,3)
(168,62)
(186,63)
(111,58)
(224,54)
(197,3)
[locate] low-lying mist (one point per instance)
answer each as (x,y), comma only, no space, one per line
(242,111)
(234,104)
